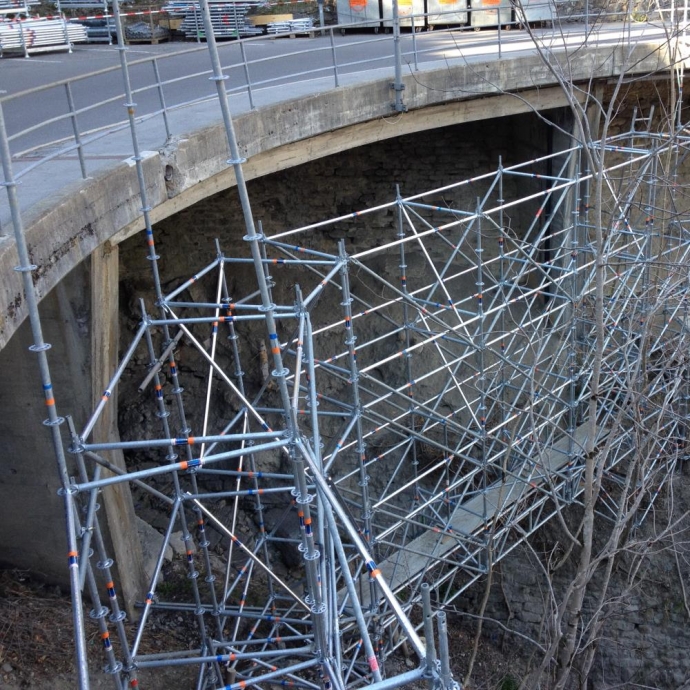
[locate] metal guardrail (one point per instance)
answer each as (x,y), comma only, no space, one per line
(62,126)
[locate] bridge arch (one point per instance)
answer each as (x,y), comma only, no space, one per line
(63,231)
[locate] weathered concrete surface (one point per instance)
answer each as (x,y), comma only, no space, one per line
(32,531)
(117,499)
(63,232)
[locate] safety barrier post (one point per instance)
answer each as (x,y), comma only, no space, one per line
(245,66)
(397,86)
(335,60)
(23,39)
(161,98)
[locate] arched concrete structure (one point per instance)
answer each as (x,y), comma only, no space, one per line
(100,212)
(63,232)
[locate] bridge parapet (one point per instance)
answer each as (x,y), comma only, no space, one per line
(66,217)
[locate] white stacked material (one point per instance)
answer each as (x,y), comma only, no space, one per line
(141,31)
(16,5)
(227,18)
(39,34)
(102,4)
(65,4)
(98,30)
(293,26)
(177,8)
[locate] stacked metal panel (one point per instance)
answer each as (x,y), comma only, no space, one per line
(292,26)
(176,8)
(142,31)
(490,12)
(104,5)
(8,6)
(98,30)
(87,4)
(406,8)
(528,11)
(446,12)
(364,12)
(39,35)
(228,20)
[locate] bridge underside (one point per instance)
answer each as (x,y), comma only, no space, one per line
(425,402)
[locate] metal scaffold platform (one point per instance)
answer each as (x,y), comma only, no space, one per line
(430,397)
(444,452)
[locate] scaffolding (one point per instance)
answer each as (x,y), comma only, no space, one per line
(456,399)
(419,427)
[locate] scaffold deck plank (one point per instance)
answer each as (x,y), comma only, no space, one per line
(472,518)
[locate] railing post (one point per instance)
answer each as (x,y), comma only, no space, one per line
(500,52)
(75,129)
(197,10)
(5,152)
(66,32)
(397,85)
(335,59)
(321,19)
(23,38)
(246,75)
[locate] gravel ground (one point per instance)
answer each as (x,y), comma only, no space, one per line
(36,645)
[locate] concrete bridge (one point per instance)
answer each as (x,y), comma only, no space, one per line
(71,222)
(292,123)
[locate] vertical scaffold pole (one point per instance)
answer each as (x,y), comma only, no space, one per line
(40,347)
(431,670)
(447,682)
(360,449)
(117,616)
(239,376)
(326,537)
(408,355)
(178,512)
(480,347)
